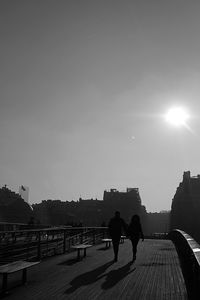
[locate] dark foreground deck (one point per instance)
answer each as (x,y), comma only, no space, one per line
(155,275)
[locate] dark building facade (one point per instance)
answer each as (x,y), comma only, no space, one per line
(13,208)
(86,212)
(128,203)
(90,212)
(185,209)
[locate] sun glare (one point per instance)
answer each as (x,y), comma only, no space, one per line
(177,116)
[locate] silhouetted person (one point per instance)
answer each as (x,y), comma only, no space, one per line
(135,233)
(116,225)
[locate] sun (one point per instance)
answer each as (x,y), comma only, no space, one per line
(177,116)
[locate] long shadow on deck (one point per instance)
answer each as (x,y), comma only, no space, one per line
(88,277)
(114,276)
(111,278)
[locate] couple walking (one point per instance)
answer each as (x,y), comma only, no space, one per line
(133,231)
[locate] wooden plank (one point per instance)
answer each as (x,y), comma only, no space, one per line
(155,275)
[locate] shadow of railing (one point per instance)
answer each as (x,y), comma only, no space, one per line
(189,255)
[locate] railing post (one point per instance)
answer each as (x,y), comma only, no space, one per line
(81,237)
(64,241)
(93,236)
(103,230)
(39,245)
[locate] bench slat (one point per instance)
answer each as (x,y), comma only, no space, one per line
(16,266)
(82,246)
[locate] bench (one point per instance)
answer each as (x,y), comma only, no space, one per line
(123,237)
(107,241)
(14,267)
(81,247)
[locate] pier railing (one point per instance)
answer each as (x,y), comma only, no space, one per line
(189,254)
(40,243)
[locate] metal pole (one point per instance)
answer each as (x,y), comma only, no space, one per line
(39,245)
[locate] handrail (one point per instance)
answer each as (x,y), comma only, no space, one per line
(189,254)
(35,244)
(56,228)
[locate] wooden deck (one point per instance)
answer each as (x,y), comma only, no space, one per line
(155,275)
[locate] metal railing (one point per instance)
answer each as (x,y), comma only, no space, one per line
(189,254)
(40,243)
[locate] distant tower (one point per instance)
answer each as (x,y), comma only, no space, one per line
(24,192)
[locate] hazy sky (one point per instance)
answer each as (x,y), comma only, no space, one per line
(84,85)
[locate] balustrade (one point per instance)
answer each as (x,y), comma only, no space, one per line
(189,254)
(36,244)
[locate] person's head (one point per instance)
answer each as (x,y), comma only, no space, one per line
(135,219)
(117,214)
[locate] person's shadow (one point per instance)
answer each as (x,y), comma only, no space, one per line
(114,276)
(88,277)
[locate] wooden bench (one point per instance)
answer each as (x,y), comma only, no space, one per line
(81,247)
(123,237)
(107,241)
(14,267)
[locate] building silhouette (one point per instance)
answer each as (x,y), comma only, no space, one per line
(86,212)
(185,208)
(128,203)
(90,212)
(13,208)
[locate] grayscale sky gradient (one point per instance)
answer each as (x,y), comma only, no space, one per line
(84,85)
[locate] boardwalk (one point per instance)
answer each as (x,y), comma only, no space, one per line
(155,275)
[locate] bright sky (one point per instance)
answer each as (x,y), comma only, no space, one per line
(84,86)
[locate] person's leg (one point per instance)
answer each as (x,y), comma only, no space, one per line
(134,247)
(116,247)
